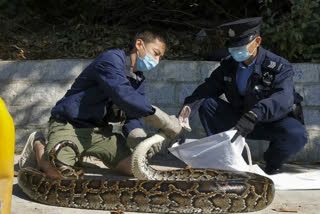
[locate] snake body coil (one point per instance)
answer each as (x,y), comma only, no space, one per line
(174,191)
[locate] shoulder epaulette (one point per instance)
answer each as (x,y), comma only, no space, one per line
(272,65)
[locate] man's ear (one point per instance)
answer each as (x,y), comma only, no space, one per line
(258,40)
(139,44)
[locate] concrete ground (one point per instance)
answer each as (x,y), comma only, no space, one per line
(303,202)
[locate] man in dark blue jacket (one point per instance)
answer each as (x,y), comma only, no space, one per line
(260,92)
(106,91)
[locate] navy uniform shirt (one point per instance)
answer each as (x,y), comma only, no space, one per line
(102,83)
(243,74)
(269,92)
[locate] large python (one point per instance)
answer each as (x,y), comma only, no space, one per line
(173,191)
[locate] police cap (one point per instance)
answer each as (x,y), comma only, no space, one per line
(242,31)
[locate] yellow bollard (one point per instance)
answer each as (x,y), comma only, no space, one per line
(7,141)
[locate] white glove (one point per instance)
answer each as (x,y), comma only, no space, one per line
(184,118)
(138,135)
(169,125)
(135,137)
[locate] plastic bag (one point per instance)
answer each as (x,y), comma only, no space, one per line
(215,152)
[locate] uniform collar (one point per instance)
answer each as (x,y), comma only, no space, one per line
(134,75)
(243,66)
(261,55)
(256,62)
(259,60)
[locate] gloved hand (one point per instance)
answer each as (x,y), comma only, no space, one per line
(135,137)
(184,118)
(155,148)
(138,135)
(245,125)
(169,125)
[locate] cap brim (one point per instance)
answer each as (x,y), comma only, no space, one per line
(240,42)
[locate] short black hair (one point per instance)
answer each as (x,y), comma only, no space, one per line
(149,35)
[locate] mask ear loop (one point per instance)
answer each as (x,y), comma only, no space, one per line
(143,48)
(254,49)
(138,54)
(147,53)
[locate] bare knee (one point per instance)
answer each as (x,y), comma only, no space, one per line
(124,166)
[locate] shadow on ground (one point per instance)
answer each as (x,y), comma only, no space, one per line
(17,191)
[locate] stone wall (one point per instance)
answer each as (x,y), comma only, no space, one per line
(31,88)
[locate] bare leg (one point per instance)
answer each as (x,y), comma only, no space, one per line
(43,164)
(124,166)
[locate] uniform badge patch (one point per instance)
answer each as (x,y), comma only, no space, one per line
(272,64)
(231,33)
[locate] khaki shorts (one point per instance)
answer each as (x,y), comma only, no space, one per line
(109,147)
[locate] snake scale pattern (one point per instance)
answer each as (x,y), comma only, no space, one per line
(157,191)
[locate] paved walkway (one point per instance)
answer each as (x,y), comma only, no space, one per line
(303,202)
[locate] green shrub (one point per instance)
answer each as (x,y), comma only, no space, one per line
(84,28)
(294,34)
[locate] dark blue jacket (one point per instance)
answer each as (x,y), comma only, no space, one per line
(269,93)
(102,83)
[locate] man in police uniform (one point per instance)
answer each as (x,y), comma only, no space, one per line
(106,91)
(260,92)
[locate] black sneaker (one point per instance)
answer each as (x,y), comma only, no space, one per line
(272,171)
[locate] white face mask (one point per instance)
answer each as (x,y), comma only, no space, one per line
(147,63)
(241,53)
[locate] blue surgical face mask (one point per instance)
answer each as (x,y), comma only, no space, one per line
(240,54)
(147,63)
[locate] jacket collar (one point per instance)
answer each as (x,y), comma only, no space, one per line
(129,71)
(259,60)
